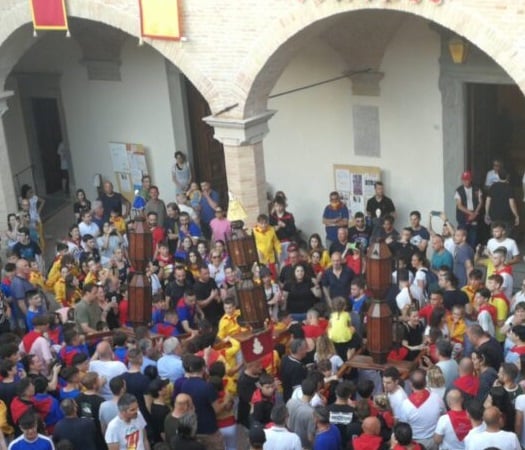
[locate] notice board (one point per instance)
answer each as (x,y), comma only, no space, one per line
(129,165)
(355,185)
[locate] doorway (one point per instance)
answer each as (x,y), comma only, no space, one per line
(208,153)
(46,120)
(495,130)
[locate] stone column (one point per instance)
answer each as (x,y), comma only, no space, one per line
(8,201)
(244,158)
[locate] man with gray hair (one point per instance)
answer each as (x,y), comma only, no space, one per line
(80,431)
(148,353)
(277,435)
(293,371)
(169,364)
(128,429)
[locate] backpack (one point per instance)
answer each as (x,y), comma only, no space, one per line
(431,282)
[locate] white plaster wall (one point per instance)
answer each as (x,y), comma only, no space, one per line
(312,129)
(134,110)
(15,134)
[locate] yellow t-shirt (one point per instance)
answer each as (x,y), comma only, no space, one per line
(339,327)
(502,312)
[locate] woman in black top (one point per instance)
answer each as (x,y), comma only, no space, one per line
(81,205)
(300,293)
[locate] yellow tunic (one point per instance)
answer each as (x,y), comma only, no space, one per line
(267,244)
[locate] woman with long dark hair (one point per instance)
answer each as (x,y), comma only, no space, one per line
(300,293)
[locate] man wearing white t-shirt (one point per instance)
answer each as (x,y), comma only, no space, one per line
(103,364)
(421,410)
(453,427)
(87,226)
(493,436)
(520,418)
(128,429)
(475,413)
(500,239)
(396,394)
(277,436)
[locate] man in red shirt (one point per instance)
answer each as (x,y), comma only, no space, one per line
(436,300)
(158,233)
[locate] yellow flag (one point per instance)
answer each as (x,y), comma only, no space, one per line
(160,19)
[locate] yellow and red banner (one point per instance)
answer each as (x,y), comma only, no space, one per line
(49,14)
(160,19)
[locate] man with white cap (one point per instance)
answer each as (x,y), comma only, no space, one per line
(169,364)
(469,201)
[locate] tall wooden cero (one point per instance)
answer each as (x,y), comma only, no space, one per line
(379,315)
(139,289)
(252,300)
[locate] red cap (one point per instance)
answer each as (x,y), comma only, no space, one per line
(466,176)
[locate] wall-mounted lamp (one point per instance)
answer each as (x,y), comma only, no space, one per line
(458,49)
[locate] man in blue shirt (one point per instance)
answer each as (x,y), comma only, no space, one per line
(335,215)
(30,439)
(169,364)
(208,203)
(327,436)
(203,395)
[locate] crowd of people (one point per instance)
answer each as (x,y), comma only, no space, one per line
(75,373)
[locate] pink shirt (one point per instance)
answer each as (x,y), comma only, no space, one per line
(220,229)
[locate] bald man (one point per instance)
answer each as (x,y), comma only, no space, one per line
(422,410)
(19,286)
(112,200)
(103,364)
(493,436)
(467,382)
(370,438)
(453,426)
(183,404)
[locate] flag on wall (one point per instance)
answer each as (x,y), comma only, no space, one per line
(160,19)
(257,346)
(49,14)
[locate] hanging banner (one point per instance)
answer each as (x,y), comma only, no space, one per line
(257,346)
(49,14)
(160,19)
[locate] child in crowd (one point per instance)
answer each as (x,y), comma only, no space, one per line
(120,348)
(263,400)
(170,326)
(340,328)
(35,276)
(73,346)
(267,243)
(116,219)
(194,196)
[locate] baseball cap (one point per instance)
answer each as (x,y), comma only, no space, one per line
(466,176)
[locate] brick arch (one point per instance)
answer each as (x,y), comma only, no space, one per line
(272,52)
(120,14)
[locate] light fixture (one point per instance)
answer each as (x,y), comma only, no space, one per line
(458,49)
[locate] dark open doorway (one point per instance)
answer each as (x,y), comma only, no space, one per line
(46,121)
(496,130)
(208,153)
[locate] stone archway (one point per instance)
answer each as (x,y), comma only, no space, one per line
(272,52)
(120,14)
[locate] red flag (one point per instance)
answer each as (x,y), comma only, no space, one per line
(257,346)
(49,14)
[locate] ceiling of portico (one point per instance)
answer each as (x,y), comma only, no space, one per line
(362,37)
(98,43)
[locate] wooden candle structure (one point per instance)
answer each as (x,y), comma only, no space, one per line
(379,315)
(252,299)
(139,289)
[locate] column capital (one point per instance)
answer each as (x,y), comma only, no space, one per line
(239,132)
(4,96)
